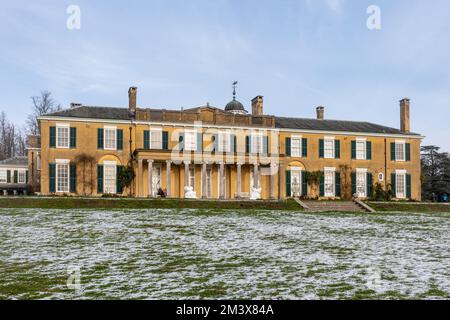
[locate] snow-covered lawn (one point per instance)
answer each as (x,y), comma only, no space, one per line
(174,254)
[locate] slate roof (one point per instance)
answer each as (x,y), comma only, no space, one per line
(111,113)
(16,161)
(334,125)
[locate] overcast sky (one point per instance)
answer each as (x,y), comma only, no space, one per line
(298,54)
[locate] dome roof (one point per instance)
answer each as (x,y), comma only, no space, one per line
(234,105)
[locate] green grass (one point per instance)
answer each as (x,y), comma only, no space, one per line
(417,207)
(129,203)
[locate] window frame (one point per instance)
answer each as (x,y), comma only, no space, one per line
(153,131)
(360,172)
(109,165)
(361,142)
(105,130)
(65,126)
(332,173)
(257,137)
(300,146)
(22,173)
(224,136)
(402,191)
(403,153)
(5,171)
(60,163)
(193,143)
(330,140)
(191,178)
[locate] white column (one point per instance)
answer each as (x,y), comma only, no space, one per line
(273,166)
(168,179)
(139,180)
(186,173)
(204,183)
(255,176)
(222,180)
(150,178)
(238,173)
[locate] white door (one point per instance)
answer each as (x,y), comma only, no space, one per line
(109,177)
(361,185)
(156,180)
(329,183)
(400,186)
(296,183)
(252,178)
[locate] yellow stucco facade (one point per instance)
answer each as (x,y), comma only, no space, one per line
(270,169)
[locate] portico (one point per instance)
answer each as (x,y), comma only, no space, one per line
(208,178)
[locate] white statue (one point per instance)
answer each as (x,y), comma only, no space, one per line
(189,193)
(255,194)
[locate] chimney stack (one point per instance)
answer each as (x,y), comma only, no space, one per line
(258,106)
(320,113)
(404,115)
(132,92)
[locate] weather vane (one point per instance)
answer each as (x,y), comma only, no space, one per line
(234,90)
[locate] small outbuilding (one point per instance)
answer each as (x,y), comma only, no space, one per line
(14,176)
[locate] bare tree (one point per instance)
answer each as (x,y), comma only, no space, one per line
(12,140)
(42,104)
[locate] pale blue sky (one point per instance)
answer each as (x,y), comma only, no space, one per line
(297,53)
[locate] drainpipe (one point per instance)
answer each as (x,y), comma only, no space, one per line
(385,164)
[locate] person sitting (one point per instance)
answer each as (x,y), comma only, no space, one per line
(161,193)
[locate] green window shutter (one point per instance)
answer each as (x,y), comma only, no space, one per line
(73,178)
(408,186)
(321,148)
(26,176)
(119,188)
(265,145)
(337,149)
(165,140)
(15,176)
(322,185)
(146,139)
(369,185)
(353,149)
(353,183)
(8,176)
(408,152)
(288,147)
(181,141)
(392,151)
(199,141)
(304,184)
(99,179)
(233,143)
(393,185)
(100,138)
(369,150)
(304,147)
(288,183)
(73,138)
(215,138)
(247,144)
(52,177)
(337,181)
(119,139)
(52,142)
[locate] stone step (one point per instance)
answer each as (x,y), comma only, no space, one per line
(322,206)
